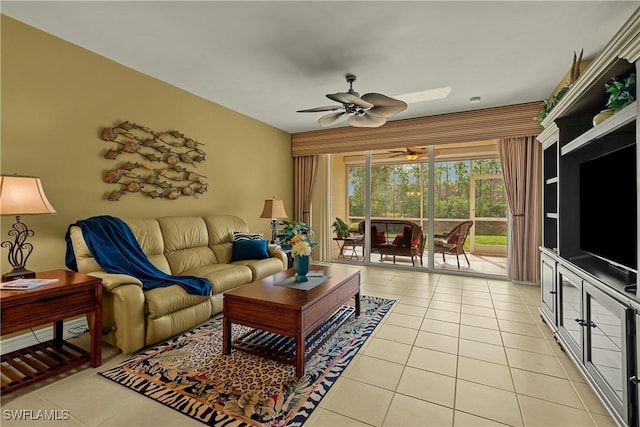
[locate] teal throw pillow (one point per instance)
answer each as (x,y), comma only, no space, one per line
(249,249)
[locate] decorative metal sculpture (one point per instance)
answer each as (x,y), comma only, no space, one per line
(170,180)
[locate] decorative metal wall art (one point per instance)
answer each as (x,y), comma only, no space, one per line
(171,149)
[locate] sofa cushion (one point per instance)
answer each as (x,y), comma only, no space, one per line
(170,299)
(149,237)
(453,238)
(223,252)
(248,249)
(241,235)
(186,243)
(221,228)
(262,268)
(160,328)
(223,277)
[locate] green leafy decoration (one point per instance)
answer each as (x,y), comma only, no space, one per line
(621,92)
(549,104)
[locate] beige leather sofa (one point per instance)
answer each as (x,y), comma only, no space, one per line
(179,245)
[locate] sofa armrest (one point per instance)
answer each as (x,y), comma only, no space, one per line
(276,252)
(125,307)
(111,281)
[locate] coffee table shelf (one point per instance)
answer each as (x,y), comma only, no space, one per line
(283,348)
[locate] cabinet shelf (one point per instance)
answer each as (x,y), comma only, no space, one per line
(618,120)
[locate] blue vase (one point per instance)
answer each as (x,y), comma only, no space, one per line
(301,265)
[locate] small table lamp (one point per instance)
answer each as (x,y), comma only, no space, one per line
(21,195)
(273,209)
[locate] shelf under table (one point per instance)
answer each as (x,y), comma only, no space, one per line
(43,360)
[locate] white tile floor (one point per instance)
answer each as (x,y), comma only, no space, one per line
(453,351)
(478,264)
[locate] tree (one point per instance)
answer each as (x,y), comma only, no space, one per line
(398,189)
(356,190)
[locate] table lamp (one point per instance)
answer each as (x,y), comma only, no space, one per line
(273,209)
(21,195)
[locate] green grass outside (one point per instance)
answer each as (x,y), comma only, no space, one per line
(487,240)
(491,240)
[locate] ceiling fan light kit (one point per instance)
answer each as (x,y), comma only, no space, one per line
(370,110)
(411,153)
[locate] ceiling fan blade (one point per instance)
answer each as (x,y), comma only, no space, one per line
(316,109)
(329,119)
(385,112)
(379,99)
(418,150)
(347,98)
(366,121)
(384,106)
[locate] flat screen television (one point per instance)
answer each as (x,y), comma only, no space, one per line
(608,208)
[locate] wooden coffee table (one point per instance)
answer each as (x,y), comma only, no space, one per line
(308,317)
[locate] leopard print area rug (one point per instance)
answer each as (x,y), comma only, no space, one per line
(190,374)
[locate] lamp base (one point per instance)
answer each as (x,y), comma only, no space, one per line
(274,231)
(18,273)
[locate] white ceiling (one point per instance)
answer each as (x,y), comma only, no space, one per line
(268,59)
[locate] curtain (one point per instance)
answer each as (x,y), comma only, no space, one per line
(321,216)
(520,158)
(304,171)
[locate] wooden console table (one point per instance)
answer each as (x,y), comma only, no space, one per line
(74,294)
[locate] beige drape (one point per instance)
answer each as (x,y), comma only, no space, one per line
(520,157)
(304,171)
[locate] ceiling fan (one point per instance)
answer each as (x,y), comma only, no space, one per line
(369,110)
(411,153)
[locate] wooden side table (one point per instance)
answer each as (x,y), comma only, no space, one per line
(348,242)
(74,294)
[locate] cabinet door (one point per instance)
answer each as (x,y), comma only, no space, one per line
(606,346)
(570,315)
(548,288)
(634,376)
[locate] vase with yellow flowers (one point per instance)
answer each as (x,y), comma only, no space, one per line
(302,244)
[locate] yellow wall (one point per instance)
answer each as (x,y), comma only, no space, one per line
(56,97)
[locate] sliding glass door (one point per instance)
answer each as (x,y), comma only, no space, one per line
(385,200)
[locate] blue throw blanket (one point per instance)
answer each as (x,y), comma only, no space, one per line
(116,250)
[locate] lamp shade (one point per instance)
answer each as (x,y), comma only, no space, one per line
(23,195)
(273,209)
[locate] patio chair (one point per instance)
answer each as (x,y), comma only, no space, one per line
(453,242)
(395,237)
